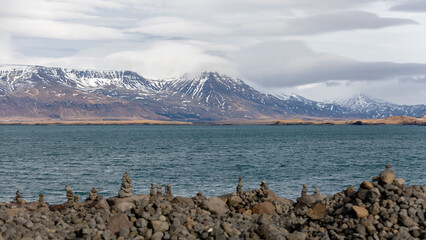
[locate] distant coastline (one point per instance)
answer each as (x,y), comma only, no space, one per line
(396,120)
(91,122)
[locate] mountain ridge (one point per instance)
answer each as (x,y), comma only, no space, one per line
(206,96)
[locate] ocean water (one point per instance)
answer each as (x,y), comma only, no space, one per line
(42,159)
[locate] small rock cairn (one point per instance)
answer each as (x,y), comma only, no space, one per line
(18,199)
(382,208)
(41,202)
(152,194)
(126,186)
(168,192)
(93,194)
(240,186)
(159,191)
(70,196)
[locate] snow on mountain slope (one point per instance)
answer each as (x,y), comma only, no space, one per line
(13,76)
(370,107)
(206,96)
(212,88)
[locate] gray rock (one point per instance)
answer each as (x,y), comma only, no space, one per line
(159,226)
(124,232)
(362,193)
(87,231)
(157,236)
(403,234)
(4,216)
(361,230)
(118,222)
(373,195)
(407,221)
(296,236)
(215,205)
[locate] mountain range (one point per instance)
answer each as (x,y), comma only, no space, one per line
(37,92)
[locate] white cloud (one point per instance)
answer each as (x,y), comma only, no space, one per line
(168,59)
(25,27)
(390,90)
(160,59)
(5,48)
(177,27)
(328,22)
(292,63)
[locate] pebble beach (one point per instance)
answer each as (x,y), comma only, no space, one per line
(382,207)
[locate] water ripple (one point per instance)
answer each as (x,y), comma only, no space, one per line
(42,159)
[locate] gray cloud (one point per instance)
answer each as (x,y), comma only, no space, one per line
(413,79)
(411,6)
(168,38)
(328,22)
(292,63)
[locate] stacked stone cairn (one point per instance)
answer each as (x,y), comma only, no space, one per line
(126,186)
(69,195)
(383,208)
(240,186)
(199,198)
(93,194)
(41,202)
(159,191)
(168,192)
(152,193)
(18,198)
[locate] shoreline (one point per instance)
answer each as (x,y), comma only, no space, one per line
(397,120)
(380,208)
(94,122)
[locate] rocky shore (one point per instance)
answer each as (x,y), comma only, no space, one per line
(382,208)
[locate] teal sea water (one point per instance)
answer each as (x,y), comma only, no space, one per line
(42,159)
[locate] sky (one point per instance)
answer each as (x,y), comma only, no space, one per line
(323,50)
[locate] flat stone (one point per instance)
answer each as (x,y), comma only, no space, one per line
(183,201)
(124,206)
(114,201)
(264,208)
(117,222)
(316,212)
(13,212)
(284,201)
(215,205)
(360,211)
(306,200)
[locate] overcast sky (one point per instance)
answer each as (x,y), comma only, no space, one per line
(322,50)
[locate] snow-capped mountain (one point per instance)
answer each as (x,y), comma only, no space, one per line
(14,76)
(376,108)
(46,92)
